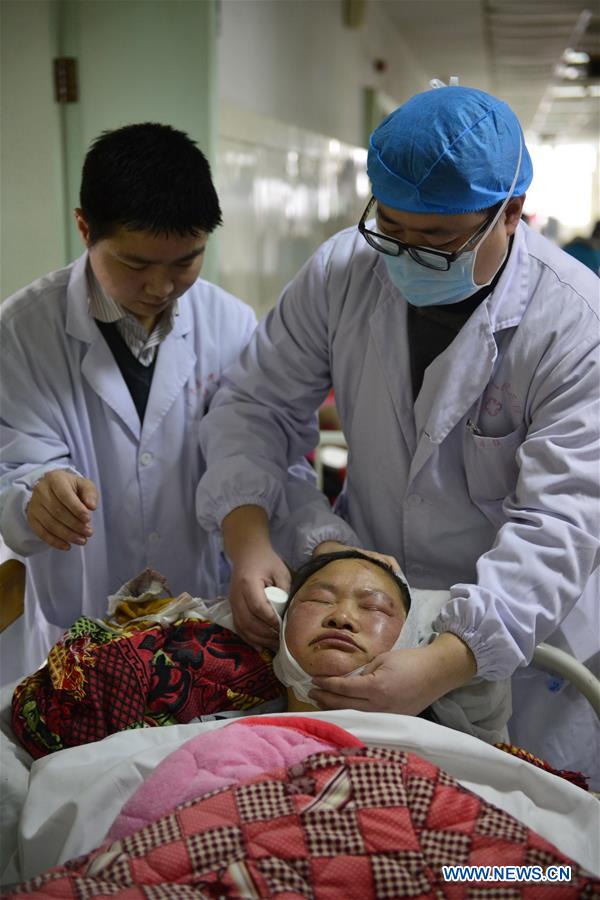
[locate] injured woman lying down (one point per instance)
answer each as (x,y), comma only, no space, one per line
(159,660)
(327,805)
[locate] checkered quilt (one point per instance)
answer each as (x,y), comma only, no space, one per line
(352,823)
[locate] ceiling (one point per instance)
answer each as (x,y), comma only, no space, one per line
(517,51)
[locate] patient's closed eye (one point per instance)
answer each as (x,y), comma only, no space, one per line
(321,599)
(378,603)
(378,608)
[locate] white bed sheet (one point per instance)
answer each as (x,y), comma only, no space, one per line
(73,796)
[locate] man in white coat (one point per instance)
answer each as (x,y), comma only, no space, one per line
(108,366)
(463,350)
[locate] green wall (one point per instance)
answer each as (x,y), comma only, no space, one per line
(138,60)
(32,234)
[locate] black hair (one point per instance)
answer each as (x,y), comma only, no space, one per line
(490,211)
(147,177)
(316,563)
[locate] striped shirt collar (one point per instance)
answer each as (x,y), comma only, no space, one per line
(142,345)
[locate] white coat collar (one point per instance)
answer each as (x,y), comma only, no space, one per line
(80,325)
(173,367)
(508,301)
(457,377)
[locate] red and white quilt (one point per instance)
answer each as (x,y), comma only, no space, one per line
(345,823)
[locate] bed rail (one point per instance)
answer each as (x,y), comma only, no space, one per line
(558,662)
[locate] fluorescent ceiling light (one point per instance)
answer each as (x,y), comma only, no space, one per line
(569,72)
(566,91)
(575,57)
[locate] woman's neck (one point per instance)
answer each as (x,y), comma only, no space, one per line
(295,705)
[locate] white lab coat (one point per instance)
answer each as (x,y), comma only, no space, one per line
(487,484)
(65,405)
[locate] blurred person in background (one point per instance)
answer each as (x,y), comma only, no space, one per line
(552,230)
(587,250)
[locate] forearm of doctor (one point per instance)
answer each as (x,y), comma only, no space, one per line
(255,566)
(452,661)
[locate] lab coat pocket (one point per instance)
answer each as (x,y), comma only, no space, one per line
(491,470)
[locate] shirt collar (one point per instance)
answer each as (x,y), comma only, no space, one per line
(103,308)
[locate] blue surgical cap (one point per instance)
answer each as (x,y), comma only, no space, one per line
(448,150)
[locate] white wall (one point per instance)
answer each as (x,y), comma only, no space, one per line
(296,61)
(298,97)
(284,190)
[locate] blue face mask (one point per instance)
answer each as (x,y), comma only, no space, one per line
(421,286)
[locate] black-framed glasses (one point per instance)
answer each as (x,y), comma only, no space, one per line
(425,256)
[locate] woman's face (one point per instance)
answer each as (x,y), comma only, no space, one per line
(343,616)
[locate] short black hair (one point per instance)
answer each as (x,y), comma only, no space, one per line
(316,563)
(147,177)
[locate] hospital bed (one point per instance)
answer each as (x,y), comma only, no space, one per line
(61,806)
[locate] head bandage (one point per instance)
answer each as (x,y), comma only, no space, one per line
(285,666)
(449,150)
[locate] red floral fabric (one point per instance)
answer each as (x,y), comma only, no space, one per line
(96,682)
(577,778)
(343,825)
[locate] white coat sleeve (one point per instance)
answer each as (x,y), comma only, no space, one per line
(262,418)
(308,517)
(30,446)
(549,546)
(310,521)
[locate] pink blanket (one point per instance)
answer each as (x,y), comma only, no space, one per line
(207,762)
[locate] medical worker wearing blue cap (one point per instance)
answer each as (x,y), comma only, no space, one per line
(463,350)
